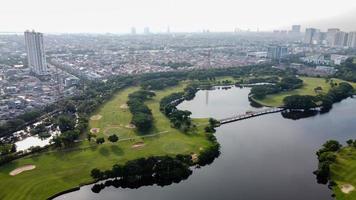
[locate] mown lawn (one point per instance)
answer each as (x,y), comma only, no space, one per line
(61,170)
(309,84)
(344,172)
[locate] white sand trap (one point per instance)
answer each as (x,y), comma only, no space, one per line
(22,169)
(95,130)
(138,145)
(347,188)
(194,157)
(95,117)
(124,106)
(130,126)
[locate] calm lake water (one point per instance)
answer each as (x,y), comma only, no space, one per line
(268,157)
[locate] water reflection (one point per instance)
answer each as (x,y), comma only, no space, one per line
(268,157)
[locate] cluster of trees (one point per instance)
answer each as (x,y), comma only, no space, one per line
(180,119)
(162,171)
(16,123)
(304,102)
(336,94)
(41,130)
(286,83)
(141,114)
(29,117)
(347,71)
(70,131)
(159,83)
(325,101)
(190,91)
(207,156)
(269,79)
(326,156)
(66,139)
(351,143)
(7,149)
(212,124)
(261,91)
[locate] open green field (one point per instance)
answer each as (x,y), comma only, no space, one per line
(309,84)
(61,170)
(344,172)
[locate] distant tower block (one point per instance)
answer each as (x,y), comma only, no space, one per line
(133,31)
(35,53)
(207,97)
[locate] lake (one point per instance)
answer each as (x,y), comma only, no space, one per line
(267,157)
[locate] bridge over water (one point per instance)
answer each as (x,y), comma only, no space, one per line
(250,115)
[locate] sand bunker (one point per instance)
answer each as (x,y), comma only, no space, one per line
(96,117)
(194,157)
(130,126)
(138,145)
(124,106)
(95,130)
(22,169)
(347,188)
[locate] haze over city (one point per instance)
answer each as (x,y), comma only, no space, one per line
(178,99)
(65,16)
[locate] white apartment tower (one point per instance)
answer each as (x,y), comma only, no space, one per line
(35,52)
(351,40)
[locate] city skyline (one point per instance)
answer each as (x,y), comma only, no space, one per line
(183,16)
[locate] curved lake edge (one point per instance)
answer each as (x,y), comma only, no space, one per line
(91,183)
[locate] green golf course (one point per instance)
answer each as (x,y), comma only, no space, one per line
(60,170)
(343,172)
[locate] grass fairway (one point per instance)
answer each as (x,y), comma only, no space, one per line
(309,84)
(61,170)
(344,172)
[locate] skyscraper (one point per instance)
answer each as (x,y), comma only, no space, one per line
(312,36)
(330,36)
(351,40)
(133,31)
(340,39)
(296,28)
(146,30)
(277,52)
(35,52)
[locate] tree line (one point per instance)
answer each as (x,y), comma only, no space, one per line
(160,170)
(141,115)
(285,84)
(325,101)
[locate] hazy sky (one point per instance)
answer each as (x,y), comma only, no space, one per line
(180,15)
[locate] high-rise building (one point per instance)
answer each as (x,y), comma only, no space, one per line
(351,40)
(312,36)
(296,28)
(277,52)
(35,52)
(340,39)
(330,36)
(133,31)
(146,30)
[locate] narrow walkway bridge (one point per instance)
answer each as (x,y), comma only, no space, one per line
(250,115)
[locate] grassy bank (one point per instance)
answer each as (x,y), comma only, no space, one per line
(343,171)
(61,170)
(309,84)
